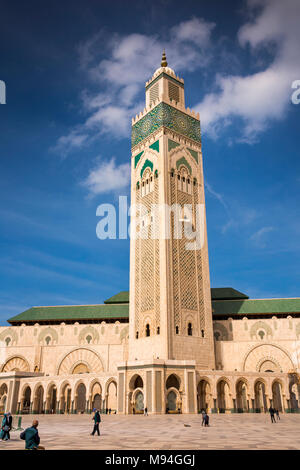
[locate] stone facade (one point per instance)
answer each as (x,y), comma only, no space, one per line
(172,353)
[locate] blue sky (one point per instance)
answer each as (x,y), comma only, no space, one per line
(75,74)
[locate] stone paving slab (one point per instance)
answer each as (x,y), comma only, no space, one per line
(241,431)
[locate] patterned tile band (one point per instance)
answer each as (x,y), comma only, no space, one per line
(167,116)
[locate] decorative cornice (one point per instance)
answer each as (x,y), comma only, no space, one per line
(168,77)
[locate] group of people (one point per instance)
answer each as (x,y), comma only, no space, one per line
(273,412)
(30,435)
(32,438)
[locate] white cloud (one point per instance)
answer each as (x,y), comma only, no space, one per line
(260,97)
(121,77)
(258,237)
(107,176)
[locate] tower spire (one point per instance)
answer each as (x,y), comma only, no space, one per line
(164,62)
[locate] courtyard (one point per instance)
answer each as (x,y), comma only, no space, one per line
(163,432)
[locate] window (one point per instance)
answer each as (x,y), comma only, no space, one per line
(137,335)
(88,339)
(147,330)
(48,340)
(173,92)
(158,330)
(261,334)
(202,333)
(217,335)
(7,341)
(190,329)
(154,90)
(177,330)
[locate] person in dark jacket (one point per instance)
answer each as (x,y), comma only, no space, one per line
(31,437)
(206,420)
(97,421)
(272,413)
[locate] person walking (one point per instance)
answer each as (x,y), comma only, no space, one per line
(97,421)
(203,417)
(6,426)
(277,414)
(272,412)
(31,437)
(146,411)
(206,420)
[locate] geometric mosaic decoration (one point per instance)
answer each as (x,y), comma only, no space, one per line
(172,145)
(155,146)
(146,164)
(194,154)
(137,158)
(167,116)
(182,161)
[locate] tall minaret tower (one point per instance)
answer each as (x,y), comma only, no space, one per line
(170,300)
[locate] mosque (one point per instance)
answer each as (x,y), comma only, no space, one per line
(172,343)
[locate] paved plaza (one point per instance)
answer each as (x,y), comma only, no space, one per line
(164,432)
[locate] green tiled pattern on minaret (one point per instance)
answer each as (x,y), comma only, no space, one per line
(182,161)
(137,158)
(194,154)
(155,146)
(172,145)
(146,164)
(167,116)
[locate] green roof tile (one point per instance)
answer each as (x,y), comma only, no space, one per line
(72,312)
(120,298)
(226,293)
(255,306)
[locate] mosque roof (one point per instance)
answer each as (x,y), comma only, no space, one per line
(63,313)
(226,302)
(255,307)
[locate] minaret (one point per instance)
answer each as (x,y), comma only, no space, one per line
(170,301)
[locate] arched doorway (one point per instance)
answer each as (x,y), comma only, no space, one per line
(80,399)
(173,402)
(260,397)
(65,398)
(203,395)
(3,398)
(136,395)
(241,397)
(173,382)
(139,402)
(223,394)
(51,399)
(112,396)
(96,396)
(277,396)
(26,400)
(38,401)
(294,394)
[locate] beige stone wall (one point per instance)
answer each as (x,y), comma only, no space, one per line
(99,347)
(257,345)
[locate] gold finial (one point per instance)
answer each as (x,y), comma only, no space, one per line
(164,62)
